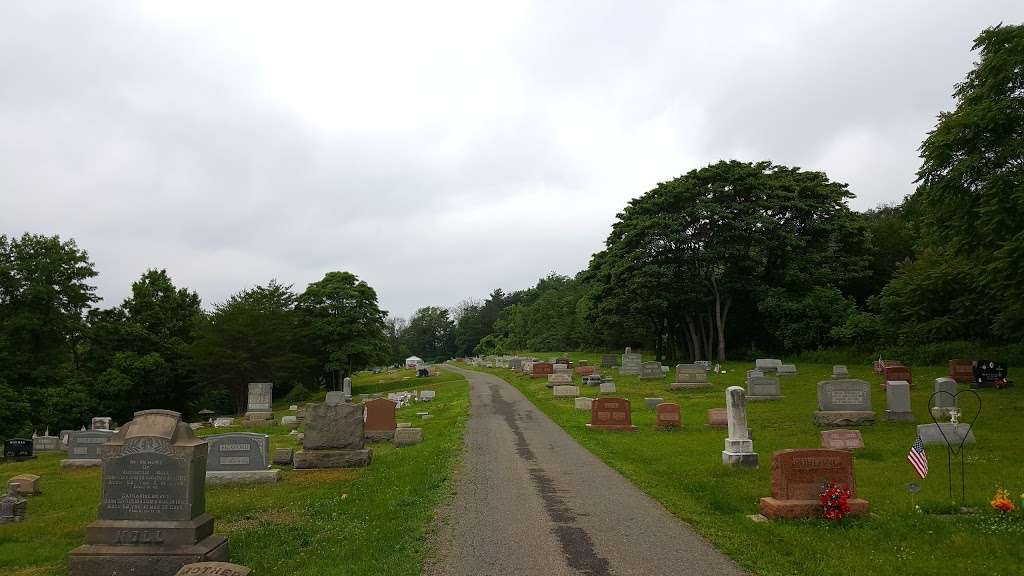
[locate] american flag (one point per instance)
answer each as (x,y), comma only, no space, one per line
(918,459)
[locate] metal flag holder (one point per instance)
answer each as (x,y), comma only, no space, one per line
(953,448)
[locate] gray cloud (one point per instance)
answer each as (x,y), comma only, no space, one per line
(444,149)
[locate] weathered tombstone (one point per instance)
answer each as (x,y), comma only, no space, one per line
(259,409)
(611,414)
(961,370)
(609,360)
(942,432)
(28,484)
(739,448)
(897,402)
(283,456)
(12,506)
(46,443)
(755,373)
(566,391)
(898,374)
(380,420)
(85,448)
(559,379)
(223,422)
(515,364)
(583,403)
(18,449)
(101,423)
(213,569)
(152,516)
(768,365)
(542,369)
(943,403)
(759,389)
(607,387)
(630,363)
(690,376)
(787,369)
(797,477)
(840,372)
(844,403)
(334,397)
(407,436)
(650,403)
(290,422)
(841,439)
(651,370)
(718,418)
(240,458)
(667,417)
(334,438)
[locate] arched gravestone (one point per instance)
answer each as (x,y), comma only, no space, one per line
(152,515)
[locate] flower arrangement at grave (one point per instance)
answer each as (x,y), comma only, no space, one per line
(834,501)
(1002,501)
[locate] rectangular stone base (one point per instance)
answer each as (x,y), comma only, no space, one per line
(624,428)
(148,560)
(893,416)
(835,418)
(149,532)
(741,459)
(311,459)
(258,416)
(378,435)
(689,385)
(763,398)
(774,509)
(69,463)
(223,477)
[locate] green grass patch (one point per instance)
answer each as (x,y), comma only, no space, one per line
(371,521)
(683,470)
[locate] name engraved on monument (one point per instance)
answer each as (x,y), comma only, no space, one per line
(847,397)
(145,482)
(260,396)
(238,451)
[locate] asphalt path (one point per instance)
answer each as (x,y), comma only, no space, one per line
(531,501)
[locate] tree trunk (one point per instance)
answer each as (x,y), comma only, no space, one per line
(695,347)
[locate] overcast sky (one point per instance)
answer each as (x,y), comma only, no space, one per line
(438,150)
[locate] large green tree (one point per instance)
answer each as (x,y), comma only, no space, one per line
(429,334)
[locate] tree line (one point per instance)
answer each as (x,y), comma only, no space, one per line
(741,258)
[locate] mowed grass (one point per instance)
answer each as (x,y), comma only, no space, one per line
(683,470)
(371,521)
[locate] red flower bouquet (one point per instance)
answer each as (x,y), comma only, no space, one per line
(834,505)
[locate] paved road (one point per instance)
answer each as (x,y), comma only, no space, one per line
(532,502)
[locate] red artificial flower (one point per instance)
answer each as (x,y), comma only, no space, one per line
(834,505)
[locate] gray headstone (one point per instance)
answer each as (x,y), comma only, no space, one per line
(844,396)
(333,427)
(607,387)
(763,389)
(943,402)
(739,449)
(897,402)
(630,363)
(651,403)
(691,373)
(238,451)
(609,360)
(87,445)
(840,371)
(651,370)
(334,397)
(932,434)
(261,398)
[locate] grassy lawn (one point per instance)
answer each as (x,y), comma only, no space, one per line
(325,522)
(683,470)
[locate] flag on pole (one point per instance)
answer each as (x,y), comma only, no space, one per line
(918,459)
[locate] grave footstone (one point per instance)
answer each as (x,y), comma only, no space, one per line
(152,514)
(762,388)
(797,477)
(942,403)
(611,414)
(13,507)
(667,417)
(214,569)
(240,458)
(407,436)
(651,371)
(650,403)
(897,402)
(380,420)
(630,363)
(259,409)
(690,376)
(718,418)
(768,365)
(283,456)
(842,439)
(938,434)
(334,438)
(739,448)
(844,403)
(85,448)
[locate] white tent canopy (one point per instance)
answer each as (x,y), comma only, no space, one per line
(413,361)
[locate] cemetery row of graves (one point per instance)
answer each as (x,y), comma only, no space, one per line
(343,485)
(805,469)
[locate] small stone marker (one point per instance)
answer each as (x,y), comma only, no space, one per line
(293,408)
(427,395)
(839,372)
(12,506)
(651,403)
(841,439)
(334,438)
(768,365)
(630,363)
(897,402)
(566,391)
(259,410)
(938,434)
(283,456)
(942,403)
(759,389)
(844,403)
(85,448)
(18,449)
(380,420)
(583,403)
(290,422)
(718,418)
(611,414)
(213,569)
(739,448)
(559,379)
(152,516)
(407,436)
(690,376)
(239,458)
(607,387)
(797,477)
(787,369)
(667,416)
(609,361)
(651,371)
(28,484)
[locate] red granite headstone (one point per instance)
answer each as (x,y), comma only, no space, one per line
(961,370)
(542,369)
(718,418)
(585,370)
(380,414)
(841,439)
(610,414)
(667,416)
(897,372)
(797,479)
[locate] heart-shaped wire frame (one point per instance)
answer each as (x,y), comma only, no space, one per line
(931,411)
